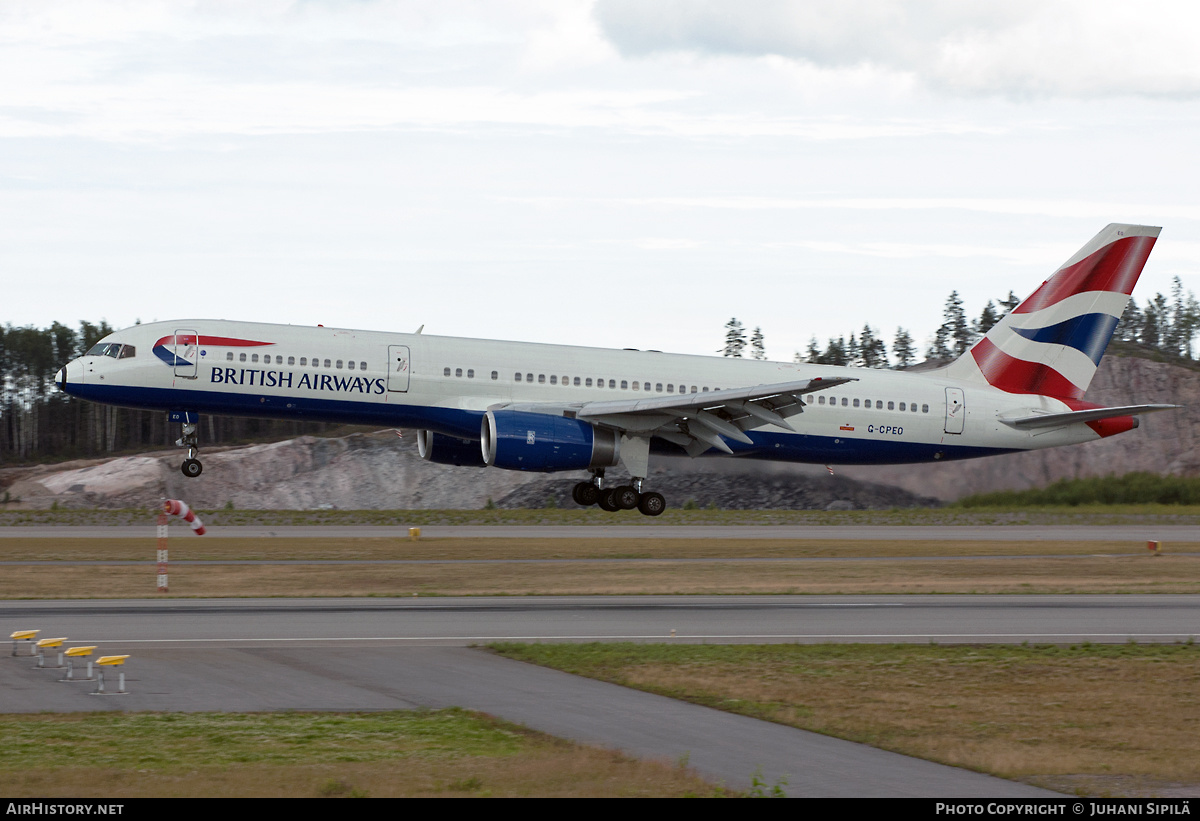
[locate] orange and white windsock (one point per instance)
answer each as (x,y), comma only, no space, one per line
(180,509)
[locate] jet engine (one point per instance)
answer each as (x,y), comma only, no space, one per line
(449,450)
(517,440)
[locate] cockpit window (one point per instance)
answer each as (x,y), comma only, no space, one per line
(114,349)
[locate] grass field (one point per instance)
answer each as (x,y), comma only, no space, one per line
(615,567)
(1100,720)
(446,753)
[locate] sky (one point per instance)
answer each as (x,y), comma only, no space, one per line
(614,173)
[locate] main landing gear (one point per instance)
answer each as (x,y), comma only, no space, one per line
(626,497)
(191,466)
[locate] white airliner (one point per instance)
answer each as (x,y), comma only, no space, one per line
(534,407)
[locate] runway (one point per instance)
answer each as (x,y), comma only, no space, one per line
(463,621)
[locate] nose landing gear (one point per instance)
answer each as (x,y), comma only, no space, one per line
(191,466)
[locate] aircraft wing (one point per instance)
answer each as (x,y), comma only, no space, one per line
(698,421)
(1053,420)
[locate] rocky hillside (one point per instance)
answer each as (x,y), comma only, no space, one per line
(383,471)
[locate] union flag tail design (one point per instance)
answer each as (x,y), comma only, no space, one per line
(1052,342)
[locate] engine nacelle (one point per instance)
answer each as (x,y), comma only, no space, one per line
(449,450)
(516,440)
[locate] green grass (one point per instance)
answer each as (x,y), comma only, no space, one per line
(1130,489)
(330,755)
(153,741)
(977,515)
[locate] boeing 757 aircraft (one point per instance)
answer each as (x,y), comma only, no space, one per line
(524,406)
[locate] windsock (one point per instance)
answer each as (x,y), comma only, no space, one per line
(180,509)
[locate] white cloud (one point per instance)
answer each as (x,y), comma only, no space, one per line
(1072,48)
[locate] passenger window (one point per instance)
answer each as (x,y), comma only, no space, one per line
(553,379)
(516,377)
(304,360)
(541,378)
(577,382)
(458,372)
(291,360)
(647,386)
(445,372)
(637,386)
(856,403)
(229,356)
(470,373)
(902,407)
(254,357)
(528,377)
(495,375)
(350,364)
(588,383)
(924,409)
(624,385)
(913,407)
(891,405)
(820,400)
(241,357)
(612,383)
(670,388)
(845,401)
(657,387)
(339,364)
(326,363)
(566,380)
(362,366)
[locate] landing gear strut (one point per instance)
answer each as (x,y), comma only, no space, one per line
(191,466)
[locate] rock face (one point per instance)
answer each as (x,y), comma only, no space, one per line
(371,471)
(383,471)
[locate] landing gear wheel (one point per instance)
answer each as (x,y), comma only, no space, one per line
(626,497)
(652,504)
(191,468)
(585,493)
(608,501)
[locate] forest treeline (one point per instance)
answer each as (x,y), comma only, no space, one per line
(40,423)
(1167,324)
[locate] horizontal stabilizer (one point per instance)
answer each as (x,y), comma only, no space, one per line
(1053,420)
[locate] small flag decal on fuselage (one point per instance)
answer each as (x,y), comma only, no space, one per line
(846,427)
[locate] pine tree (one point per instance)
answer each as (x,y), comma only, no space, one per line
(903,350)
(873,351)
(987,319)
(757,351)
(735,339)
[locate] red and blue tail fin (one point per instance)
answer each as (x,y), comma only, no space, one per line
(1052,342)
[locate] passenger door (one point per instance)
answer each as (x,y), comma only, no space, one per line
(187,353)
(956,410)
(399,368)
